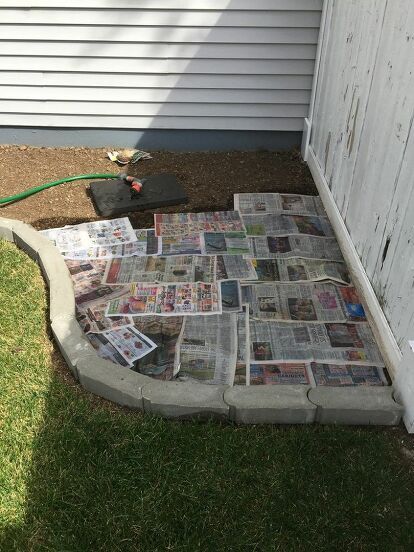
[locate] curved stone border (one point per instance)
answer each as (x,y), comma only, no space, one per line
(291,404)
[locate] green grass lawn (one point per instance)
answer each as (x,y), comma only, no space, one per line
(79,474)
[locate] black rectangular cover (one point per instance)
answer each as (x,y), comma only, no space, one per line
(113,197)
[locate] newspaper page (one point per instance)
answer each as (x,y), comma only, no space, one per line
(242,362)
(95,234)
(147,242)
(282,247)
(174,269)
(131,343)
(231,298)
(168,300)
(296,269)
(348,375)
(104,349)
(279,373)
(225,243)
(180,224)
(207,349)
(92,319)
(235,267)
(279,225)
(326,343)
(87,283)
(182,245)
(307,302)
(164,332)
(261,203)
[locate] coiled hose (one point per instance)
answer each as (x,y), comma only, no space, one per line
(36,189)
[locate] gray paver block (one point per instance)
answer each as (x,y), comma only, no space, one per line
(28,239)
(270,404)
(110,381)
(6,229)
(71,341)
(356,405)
(62,298)
(172,399)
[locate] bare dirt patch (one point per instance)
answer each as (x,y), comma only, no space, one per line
(210,180)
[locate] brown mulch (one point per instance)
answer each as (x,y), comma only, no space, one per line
(210,180)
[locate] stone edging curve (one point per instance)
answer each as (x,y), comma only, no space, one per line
(288,404)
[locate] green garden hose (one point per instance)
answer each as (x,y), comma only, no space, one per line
(36,189)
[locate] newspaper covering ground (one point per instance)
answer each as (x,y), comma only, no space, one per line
(104,349)
(348,375)
(92,319)
(280,225)
(167,300)
(180,224)
(174,269)
(282,247)
(225,243)
(87,283)
(164,332)
(312,302)
(234,267)
(326,343)
(231,298)
(258,204)
(207,349)
(131,343)
(299,270)
(242,361)
(279,374)
(95,234)
(182,245)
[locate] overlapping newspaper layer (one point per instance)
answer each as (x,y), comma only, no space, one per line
(300,270)
(259,204)
(180,224)
(280,225)
(295,245)
(306,302)
(207,349)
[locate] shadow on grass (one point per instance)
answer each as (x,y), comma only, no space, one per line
(103,478)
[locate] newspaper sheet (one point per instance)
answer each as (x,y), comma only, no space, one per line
(180,224)
(174,269)
(167,300)
(282,247)
(243,352)
(92,319)
(279,225)
(131,343)
(95,234)
(87,283)
(333,343)
(164,332)
(104,349)
(260,203)
(235,267)
(231,298)
(207,349)
(279,373)
(306,302)
(225,243)
(296,269)
(182,245)
(348,375)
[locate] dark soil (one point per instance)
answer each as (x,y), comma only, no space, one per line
(210,180)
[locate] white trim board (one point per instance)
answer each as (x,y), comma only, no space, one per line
(380,327)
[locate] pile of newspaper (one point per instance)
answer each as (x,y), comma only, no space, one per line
(257,295)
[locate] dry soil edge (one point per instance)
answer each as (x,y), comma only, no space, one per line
(245,405)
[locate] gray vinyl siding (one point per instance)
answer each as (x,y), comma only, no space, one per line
(167,64)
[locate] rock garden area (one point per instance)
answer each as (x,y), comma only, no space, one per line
(80,473)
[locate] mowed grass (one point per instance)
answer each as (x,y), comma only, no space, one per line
(78,474)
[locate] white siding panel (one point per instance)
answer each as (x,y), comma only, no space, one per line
(363,138)
(221,64)
(159,18)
